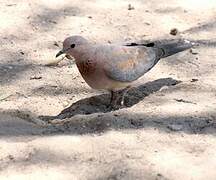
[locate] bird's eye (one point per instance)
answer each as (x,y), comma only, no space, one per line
(72,45)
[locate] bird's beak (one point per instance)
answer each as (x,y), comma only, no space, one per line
(60,53)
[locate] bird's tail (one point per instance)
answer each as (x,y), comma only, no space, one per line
(165,48)
(173,47)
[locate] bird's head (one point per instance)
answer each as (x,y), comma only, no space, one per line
(70,44)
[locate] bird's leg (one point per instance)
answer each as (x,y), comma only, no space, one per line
(113,99)
(112,96)
(124,92)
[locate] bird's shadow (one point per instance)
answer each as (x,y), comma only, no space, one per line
(99,103)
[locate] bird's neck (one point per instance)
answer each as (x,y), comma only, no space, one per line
(81,53)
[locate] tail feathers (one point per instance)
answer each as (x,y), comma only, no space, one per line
(170,48)
(165,48)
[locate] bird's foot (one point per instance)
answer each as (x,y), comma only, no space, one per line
(117,100)
(115,105)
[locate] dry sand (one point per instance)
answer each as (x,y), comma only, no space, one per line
(167,129)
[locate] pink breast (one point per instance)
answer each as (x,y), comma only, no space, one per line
(86,68)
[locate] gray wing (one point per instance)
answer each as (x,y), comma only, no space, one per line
(127,64)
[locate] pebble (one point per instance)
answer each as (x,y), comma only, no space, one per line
(164,88)
(175,127)
(174,31)
(193,51)
(194,80)
(130,7)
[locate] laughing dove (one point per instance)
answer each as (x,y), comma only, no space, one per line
(116,67)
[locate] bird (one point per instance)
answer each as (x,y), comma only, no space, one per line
(116,67)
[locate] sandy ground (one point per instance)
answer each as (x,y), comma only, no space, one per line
(167,129)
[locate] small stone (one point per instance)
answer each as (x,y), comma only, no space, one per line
(130,7)
(65,103)
(174,31)
(146,23)
(175,127)
(164,88)
(193,51)
(194,80)
(51,21)
(21,52)
(35,77)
